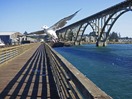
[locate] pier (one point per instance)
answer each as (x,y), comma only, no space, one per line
(39,72)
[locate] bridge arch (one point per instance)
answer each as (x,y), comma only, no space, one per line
(80,33)
(101,22)
(110,22)
(91,26)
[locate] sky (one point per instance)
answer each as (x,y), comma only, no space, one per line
(31,15)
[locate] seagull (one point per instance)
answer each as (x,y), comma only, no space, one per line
(51,31)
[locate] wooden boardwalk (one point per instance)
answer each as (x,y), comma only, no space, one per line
(28,76)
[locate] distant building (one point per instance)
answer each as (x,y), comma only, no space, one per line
(1,43)
(91,37)
(5,39)
(15,36)
(125,40)
(9,37)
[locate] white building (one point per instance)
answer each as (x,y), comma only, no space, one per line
(13,37)
(125,40)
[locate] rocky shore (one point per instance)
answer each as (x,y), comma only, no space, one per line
(61,44)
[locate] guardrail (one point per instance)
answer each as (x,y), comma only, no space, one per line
(70,82)
(11,52)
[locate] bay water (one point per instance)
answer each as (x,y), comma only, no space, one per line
(110,67)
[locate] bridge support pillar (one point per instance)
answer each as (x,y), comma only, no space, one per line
(100,43)
(76,43)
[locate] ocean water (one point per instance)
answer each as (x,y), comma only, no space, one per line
(110,67)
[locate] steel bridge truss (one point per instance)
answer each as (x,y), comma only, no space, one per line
(101,24)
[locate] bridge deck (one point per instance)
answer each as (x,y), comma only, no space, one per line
(28,76)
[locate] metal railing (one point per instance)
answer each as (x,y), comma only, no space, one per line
(11,52)
(70,82)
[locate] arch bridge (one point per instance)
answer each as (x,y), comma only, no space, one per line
(101,24)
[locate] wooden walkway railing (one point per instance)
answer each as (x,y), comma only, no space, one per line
(33,79)
(45,75)
(70,82)
(11,52)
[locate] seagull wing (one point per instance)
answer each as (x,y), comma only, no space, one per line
(34,33)
(37,32)
(62,22)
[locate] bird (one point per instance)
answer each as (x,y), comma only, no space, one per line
(51,31)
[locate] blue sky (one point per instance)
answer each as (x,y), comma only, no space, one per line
(31,15)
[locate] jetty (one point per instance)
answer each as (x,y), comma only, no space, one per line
(37,71)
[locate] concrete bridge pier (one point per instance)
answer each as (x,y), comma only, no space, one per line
(101,43)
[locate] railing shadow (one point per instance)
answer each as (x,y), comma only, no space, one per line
(31,81)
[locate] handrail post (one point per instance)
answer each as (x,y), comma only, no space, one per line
(70,82)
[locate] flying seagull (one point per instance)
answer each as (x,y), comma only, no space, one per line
(51,31)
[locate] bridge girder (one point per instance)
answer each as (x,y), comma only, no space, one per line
(101,23)
(112,18)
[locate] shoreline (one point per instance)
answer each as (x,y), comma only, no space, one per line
(69,44)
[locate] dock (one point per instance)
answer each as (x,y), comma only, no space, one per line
(27,77)
(41,73)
